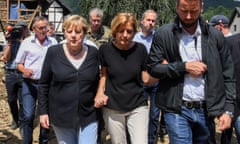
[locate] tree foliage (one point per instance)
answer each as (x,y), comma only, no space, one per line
(211,11)
(164,8)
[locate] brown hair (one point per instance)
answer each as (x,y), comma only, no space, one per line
(76,21)
(121,19)
(178,1)
(148,11)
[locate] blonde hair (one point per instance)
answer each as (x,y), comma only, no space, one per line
(75,21)
(122,19)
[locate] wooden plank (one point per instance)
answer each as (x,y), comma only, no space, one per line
(27,10)
(7,16)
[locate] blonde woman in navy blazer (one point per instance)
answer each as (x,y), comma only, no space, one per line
(68,85)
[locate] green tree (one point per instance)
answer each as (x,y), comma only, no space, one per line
(164,8)
(211,11)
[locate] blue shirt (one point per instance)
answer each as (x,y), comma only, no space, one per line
(145,40)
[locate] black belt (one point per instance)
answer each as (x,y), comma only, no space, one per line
(12,71)
(31,80)
(194,104)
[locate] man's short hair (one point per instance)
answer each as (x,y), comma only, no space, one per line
(148,11)
(96,11)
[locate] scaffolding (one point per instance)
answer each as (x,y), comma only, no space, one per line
(11,11)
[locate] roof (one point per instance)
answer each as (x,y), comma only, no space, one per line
(236,11)
(64,3)
(69,6)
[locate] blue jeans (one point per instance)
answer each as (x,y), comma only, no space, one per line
(150,91)
(237,128)
(212,129)
(86,135)
(189,127)
(13,86)
(29,97)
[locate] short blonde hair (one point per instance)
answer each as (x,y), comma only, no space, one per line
(121,19)
(76,21)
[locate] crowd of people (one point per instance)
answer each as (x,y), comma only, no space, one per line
(100,80)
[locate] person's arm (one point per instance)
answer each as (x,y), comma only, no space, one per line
(230,85)
(162,64)
(100,98)
(26,72)
(21,59)
(148,79)
(6,53)
(161,49)
(44,87)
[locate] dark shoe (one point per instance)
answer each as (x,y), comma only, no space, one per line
(43,142)
(102,138)
(14,125)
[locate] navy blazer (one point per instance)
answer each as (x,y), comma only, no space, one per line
(66,93)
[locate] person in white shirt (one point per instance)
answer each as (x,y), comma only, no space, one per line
(29,61)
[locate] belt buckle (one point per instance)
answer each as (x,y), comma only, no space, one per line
(189,105)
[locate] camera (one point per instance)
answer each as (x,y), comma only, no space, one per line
(15,33)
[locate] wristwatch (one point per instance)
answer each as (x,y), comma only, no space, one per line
(229,113)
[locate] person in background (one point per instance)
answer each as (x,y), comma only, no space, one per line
(29,61)
(196,74)
(51,32)
(12,75)
(221,22)
(120,88)
(97,33)
(50,29)
(234,45)
(68,85)
(145,36)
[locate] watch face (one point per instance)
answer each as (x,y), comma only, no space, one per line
(229,113)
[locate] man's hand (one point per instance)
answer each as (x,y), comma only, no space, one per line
(196,68)
(3,59)
(44,121)
(27,72)
(224,122)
